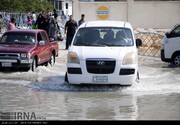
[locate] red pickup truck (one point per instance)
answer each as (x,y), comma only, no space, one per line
(27,49)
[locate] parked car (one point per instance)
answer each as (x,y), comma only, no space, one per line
(103,52)
(27,49)
(170,48)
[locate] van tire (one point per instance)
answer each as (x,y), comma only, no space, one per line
(176,60)
(66,78)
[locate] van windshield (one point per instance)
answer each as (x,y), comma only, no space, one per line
(103,36)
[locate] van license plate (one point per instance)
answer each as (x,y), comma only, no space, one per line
(6,64)
(100,79)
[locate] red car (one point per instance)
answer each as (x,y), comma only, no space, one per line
(26,48)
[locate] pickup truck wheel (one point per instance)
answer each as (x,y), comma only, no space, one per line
(176,60)
(52,60)
(34,65)
(66,78)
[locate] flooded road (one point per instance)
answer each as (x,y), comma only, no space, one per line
(44,92)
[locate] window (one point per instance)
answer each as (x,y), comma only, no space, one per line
(103,36)
(44,37)
(175,32)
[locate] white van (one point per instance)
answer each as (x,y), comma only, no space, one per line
(103,52)
(170,48)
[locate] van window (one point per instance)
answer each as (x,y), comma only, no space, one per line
(103,36)
(175,32)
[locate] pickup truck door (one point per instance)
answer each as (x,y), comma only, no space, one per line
(44,50)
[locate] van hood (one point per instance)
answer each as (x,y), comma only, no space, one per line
(117,53)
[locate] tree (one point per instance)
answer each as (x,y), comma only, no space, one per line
(24,5)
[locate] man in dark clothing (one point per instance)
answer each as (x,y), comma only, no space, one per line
(81,20)
(40,22)
(55,14)
(70,29)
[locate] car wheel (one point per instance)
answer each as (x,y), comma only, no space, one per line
(52,60)
(66,78)
(34,64)
(176,60)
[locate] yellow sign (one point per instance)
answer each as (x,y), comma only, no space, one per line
(103,12)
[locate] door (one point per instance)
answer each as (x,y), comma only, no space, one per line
(173,42)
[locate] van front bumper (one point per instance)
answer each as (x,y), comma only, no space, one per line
(163,57)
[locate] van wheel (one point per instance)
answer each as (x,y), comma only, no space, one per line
(66,78)
(52,60)
(176,60)
(34,64)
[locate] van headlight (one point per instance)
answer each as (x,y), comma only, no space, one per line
(129,58)
(73,58)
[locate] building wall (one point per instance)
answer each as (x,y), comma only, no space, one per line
(145,14)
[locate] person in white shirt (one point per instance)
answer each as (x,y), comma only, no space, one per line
(33,18)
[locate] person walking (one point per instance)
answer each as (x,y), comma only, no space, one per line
(63,19)
(81,20)
(70,29)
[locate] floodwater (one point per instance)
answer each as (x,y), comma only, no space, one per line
(44,92)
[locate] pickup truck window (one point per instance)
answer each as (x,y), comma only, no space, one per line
(44,36)
(104,36)
(39,37)
(18,38)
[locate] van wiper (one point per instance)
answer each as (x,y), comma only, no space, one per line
(98,44)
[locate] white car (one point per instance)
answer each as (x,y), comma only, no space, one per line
(103,52)
(170,48)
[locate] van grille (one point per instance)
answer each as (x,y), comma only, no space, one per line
(100,66)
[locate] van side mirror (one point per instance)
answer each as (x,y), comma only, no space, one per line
(138,42)
(167,35)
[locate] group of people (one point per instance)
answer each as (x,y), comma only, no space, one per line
(48,22)
(9,22)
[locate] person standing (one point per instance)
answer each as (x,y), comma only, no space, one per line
(7,20)
(70,29)
(81,20)
(1,22)
(40,22)
(33,18)
(55,14)
(11,25)
(29,21)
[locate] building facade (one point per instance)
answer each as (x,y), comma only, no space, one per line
(62,5)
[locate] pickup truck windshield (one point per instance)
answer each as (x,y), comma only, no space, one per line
(18,38)
(103,36)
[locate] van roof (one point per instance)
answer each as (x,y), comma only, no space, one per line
(107,23)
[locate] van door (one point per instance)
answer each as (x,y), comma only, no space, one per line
(173,42)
